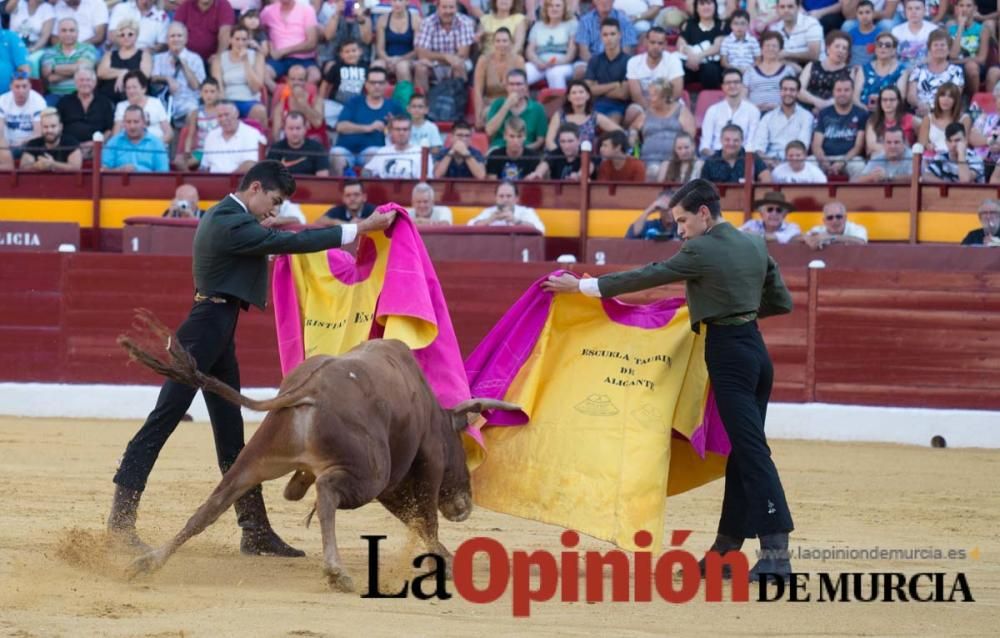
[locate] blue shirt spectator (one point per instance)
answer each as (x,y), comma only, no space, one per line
(134,149)
(13,56)
(364,110)
(588,33)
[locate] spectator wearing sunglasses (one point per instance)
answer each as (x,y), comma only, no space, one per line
(773,208)
(118,62)
(835,229)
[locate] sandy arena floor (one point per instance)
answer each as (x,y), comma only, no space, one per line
(58,580)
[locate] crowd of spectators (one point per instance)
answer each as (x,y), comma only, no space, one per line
(833,76)
(806,90)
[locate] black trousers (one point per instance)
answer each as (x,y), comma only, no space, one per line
(209,335)
(741,373)
(709,75)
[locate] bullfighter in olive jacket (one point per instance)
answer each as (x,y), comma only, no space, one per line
(730,282)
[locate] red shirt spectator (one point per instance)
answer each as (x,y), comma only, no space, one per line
(208,23)
(633,170)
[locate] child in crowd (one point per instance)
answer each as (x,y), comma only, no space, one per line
(342,80)
(739,49)
(423,129)
(199,124)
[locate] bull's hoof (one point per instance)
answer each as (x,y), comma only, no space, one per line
(338,580)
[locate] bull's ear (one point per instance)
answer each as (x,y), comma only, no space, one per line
(465,412)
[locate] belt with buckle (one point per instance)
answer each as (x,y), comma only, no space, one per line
(733,320)
(199,297)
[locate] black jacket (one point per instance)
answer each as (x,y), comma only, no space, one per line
(231,249)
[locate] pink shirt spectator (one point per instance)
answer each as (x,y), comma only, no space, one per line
(289,28)
(204,26)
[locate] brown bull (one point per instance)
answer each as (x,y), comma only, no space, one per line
(363,426)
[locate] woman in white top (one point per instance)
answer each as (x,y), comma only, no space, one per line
(507,211)
(947,109)
(33,21)
(551,46)
(424,212)
(157,122)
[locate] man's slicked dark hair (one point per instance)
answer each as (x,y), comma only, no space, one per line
(272,175)
(698,193)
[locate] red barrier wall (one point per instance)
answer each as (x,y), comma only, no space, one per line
(876,337)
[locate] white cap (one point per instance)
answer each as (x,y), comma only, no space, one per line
(817,263)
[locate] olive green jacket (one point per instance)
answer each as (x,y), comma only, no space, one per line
(231,249)
(726,272)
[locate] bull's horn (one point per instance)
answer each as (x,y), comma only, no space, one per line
(476,406)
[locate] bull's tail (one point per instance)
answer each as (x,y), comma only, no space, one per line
(180,366)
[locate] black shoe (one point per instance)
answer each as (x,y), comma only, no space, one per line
(723,544)
(187,418)
(258,537)
(121,521)
(774,563)
(265,542)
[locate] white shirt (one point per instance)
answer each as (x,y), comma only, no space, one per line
(348,232)
(522,216)
(388,162)
(152,26)
(89,15)
(850,230)
(186,98)
(913,46)
(426,131)
(225,156)
(775,130)
(785,233)
(632,8)
(155,115)
(810,174)
(24,24)
(669,67)
(439,214)
(807,29)
(19,121)
(746,116)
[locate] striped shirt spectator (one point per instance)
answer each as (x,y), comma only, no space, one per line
(57,60)
(435,38)
(740,53)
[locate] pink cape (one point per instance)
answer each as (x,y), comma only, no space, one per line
(410,289)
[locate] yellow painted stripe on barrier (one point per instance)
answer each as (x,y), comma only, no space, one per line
(47,210)
(559,222)
(314,211)
(934,226)
(882,226)
(938,226)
